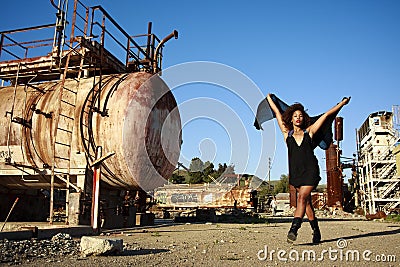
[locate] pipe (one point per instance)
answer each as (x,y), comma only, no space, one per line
(54,5)
(96,190)
(9,213)
(148,38)
(162,42)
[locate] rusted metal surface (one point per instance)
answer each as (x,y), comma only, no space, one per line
(334,178)
(81,94)
(203,196)
(293,196)
(157,60)
(142,127)
(319,200)
(44,66)
(338,128)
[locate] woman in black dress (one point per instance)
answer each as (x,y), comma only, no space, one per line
(304,175)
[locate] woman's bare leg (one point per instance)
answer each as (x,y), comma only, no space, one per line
(310,210)
(303,200)
(313,221)
(303,195)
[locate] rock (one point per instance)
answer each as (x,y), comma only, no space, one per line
(100,246)
(61,236)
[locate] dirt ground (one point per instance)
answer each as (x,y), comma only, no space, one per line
(345,243)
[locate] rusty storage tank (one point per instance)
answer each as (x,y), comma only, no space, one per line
(55,126)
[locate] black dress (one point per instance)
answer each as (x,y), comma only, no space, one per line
(303,165)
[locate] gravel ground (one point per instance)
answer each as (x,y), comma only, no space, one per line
(235,244)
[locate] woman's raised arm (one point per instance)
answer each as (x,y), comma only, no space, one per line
(278,115)
(318,123)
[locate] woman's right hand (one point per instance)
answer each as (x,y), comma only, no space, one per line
(346,100)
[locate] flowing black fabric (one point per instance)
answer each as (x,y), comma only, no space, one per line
(323,138)
(265,113)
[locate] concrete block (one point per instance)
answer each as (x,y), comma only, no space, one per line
(100,246)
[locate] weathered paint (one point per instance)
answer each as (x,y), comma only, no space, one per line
(334,178)
(142,127)
(203,196)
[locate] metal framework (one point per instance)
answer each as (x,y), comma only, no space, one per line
(81,41)
(379,183)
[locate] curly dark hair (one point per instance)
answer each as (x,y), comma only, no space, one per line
(287,116)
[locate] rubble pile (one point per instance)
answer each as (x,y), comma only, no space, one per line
(337,214)
(60,246)
(289,212)
(326,213)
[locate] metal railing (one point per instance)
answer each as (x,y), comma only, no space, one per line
(94,24)
(8,44)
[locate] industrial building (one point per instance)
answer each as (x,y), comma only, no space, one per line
(379,179)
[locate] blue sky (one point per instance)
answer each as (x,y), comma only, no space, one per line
(312,52)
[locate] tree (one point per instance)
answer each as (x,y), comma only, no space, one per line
(196,178)
(283,185)
(177,179)
(208,171)
(220,171)
(196,165)
(200,172)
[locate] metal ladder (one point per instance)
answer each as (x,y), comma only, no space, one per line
(64,123)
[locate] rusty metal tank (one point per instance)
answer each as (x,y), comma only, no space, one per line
(133,117)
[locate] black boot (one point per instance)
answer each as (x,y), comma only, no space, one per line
(296,224)
(316,232)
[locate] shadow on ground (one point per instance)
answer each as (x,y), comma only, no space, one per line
(144,251)
(380,233)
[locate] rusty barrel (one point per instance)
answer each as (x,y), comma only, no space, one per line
(133,116)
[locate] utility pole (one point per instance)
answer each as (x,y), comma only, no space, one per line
(269,174)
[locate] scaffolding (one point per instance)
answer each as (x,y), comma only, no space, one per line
(378,178)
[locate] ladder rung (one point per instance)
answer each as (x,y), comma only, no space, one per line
(62,144)
(69,90)
(67,103)
(57,157)
(65,116)
(65,130)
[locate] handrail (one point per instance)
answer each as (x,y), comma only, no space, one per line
(144,56)
(115,39)
(105,13)
(30,28)
(13,41)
